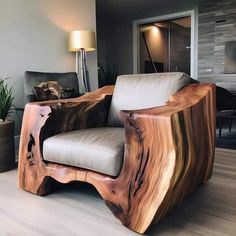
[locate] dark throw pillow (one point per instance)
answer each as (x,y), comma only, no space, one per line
(52,90)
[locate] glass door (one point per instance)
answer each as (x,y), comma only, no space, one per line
(165,46)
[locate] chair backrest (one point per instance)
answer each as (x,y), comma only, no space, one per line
(225,100)
(33,78)
(144,91)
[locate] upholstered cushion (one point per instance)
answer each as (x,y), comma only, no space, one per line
(33,78)
(144,91)
(98,149)
(51,90)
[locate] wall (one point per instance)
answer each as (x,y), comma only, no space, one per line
(115,44)
(34,36)
(217,25)
(115,28)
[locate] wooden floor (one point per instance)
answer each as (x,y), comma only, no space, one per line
(78,209)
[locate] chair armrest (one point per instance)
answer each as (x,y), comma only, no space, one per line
(91,96)
(179,139)
(65,115)
(169,152)
(44,119)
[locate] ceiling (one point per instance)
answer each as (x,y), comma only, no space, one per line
(137,8)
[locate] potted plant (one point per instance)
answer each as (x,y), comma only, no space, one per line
(7,147)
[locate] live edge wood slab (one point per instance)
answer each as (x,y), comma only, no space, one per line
(169,151)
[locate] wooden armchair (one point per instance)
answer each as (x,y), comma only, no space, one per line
(167,151)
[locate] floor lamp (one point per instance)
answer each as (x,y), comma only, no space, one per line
(82,41)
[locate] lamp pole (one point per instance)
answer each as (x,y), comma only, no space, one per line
(76,62)
(84,70)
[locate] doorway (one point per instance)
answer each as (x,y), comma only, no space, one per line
(165,44)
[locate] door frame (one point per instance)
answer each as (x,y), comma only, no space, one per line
(194,35)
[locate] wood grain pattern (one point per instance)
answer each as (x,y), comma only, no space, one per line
(44,119)
(169,152)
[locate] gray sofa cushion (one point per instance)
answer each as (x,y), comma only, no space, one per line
(98,149)
(144,91)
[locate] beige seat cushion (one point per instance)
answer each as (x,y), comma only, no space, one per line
(98,149)
(144,91)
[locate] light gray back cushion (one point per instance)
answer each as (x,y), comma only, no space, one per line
(144,91)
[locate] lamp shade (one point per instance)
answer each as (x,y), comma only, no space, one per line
(82,39)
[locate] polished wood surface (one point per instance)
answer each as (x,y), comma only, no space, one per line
(44,119)
(169,152)
(165,160)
